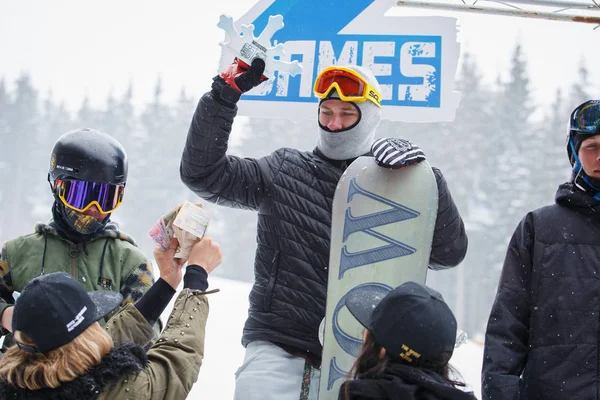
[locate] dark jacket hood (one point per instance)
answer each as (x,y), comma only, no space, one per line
(570,196)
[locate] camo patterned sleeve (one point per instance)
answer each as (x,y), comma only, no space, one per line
(6,290)
(136,284)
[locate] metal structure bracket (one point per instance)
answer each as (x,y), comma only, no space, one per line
(560,10)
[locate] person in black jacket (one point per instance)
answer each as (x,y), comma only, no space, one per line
(542,339)
(292,191)
(409,338)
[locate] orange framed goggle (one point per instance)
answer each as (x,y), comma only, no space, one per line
(81,195)
(350,86)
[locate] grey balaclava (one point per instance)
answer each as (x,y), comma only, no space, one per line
(356,140)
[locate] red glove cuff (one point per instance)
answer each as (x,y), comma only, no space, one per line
(234,70)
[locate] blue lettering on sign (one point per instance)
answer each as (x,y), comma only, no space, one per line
(366,223)
(408,67)
(348,343)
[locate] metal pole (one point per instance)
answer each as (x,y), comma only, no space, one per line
(498,11)
(565,5)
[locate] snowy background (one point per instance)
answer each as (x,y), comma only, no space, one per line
(136,69)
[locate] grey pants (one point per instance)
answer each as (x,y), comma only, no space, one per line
(269,372)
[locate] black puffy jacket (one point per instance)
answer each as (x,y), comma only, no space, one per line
(293,193)
(542,339)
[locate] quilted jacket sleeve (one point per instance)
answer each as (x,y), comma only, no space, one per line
(174,360)
(129,326)
(212,174)
(450,242)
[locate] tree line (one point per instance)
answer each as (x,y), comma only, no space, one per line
(502,156)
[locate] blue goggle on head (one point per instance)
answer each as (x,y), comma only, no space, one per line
(584,123)
(585,119)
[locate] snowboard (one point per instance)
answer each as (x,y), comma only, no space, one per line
(382,229)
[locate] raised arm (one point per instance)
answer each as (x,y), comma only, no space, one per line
(205,166)
(174,360)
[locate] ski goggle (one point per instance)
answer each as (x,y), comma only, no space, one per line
(586,118)
(350,86)
(81,195)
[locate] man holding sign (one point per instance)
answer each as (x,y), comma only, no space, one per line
(293,192)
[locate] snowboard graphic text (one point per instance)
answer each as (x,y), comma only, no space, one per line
(349,260)
(366,223)
(349,343)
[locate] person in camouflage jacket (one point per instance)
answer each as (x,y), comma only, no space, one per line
(88,172)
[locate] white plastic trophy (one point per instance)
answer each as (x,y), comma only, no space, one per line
(246,47)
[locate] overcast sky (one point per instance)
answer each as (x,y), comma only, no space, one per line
(80,48)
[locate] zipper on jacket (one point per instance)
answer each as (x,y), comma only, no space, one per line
(268,296)
(73,252)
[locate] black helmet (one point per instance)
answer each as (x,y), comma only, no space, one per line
(88,155)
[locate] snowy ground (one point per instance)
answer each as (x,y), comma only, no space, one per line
(224,352)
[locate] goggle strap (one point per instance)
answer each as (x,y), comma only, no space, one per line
(577,166)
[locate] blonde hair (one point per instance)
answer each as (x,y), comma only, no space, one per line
(33,371)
